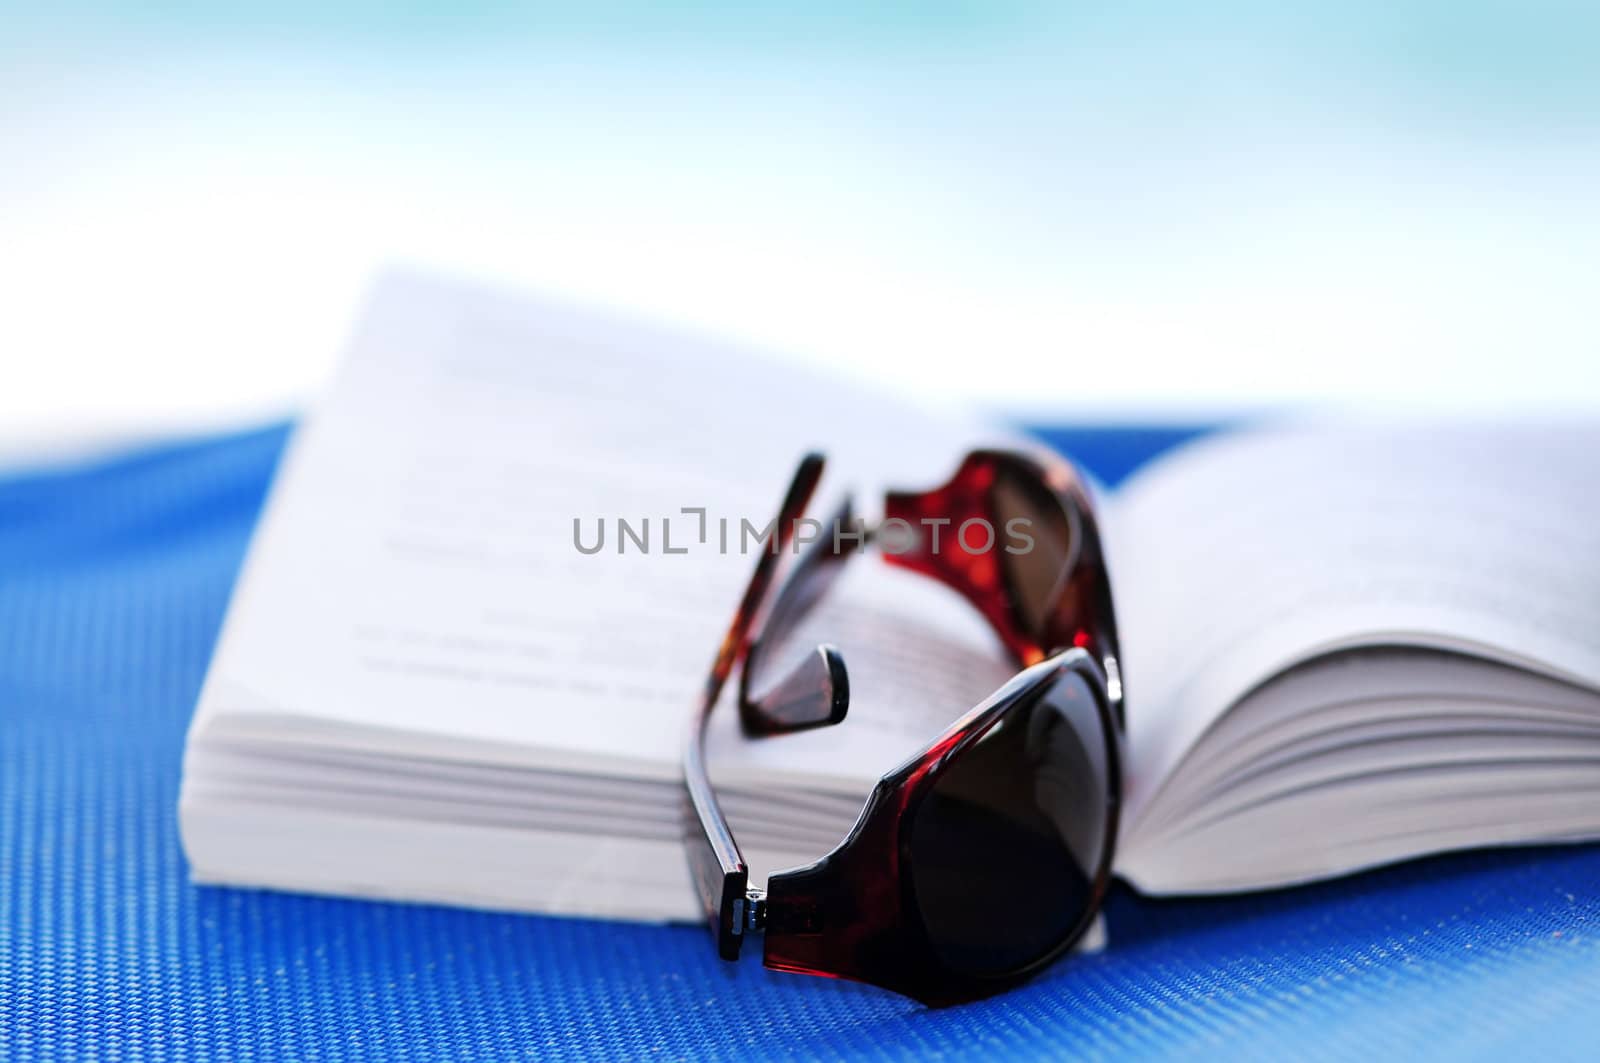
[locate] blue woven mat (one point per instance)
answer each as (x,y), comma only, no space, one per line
(113,580)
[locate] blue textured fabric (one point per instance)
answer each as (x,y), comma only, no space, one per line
(113,580)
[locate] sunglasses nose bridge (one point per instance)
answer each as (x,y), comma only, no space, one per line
(953,533)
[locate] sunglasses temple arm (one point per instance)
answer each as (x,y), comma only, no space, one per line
(815,692)
(721,877)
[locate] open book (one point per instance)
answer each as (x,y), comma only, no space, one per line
(461,659)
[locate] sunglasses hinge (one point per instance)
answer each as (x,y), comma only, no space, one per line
(750,911)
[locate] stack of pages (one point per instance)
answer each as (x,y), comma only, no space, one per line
(461,659)
(426,689)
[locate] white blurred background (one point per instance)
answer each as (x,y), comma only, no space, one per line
(1070,211)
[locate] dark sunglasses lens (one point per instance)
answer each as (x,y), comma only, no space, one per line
(1006,847)
(1033,565)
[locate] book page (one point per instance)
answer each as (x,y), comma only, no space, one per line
(418,585)
(1241,555)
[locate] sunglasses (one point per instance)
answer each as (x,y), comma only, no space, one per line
(987,855)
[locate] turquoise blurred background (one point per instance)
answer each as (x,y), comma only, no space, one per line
(1095,211)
